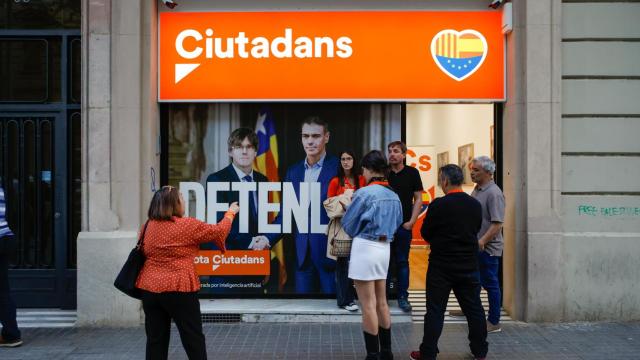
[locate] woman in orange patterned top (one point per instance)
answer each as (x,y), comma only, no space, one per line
(168,279)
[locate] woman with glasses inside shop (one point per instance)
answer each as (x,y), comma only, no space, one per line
(371,220)
(168,279)
(349,179)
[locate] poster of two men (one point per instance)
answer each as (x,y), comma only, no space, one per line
(296,145)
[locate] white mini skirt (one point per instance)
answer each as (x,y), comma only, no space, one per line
(369,259)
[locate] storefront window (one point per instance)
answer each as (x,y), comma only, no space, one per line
(198,152)
(440,134)
(451,134)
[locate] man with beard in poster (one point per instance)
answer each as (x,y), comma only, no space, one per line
(242,147)
(314,271)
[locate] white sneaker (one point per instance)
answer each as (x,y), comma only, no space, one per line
(351,307)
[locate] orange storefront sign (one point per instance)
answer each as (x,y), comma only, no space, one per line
(233,262)
(349,55)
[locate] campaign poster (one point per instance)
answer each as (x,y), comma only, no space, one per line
(276,160)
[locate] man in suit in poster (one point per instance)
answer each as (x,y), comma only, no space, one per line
(314,271)
(242,147)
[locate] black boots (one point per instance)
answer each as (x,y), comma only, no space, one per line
(372,345)
(385,344)
(378,346)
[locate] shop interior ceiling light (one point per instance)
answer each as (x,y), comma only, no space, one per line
(170,3)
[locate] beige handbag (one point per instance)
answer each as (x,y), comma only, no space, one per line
(339,240)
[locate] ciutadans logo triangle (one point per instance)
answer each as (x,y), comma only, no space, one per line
(182,70)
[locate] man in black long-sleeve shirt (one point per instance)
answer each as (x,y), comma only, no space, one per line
(451,227)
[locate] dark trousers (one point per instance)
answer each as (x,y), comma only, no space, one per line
(489,266)
(399,260)
(7,306)
(345,293)
(184,309)
(466,287)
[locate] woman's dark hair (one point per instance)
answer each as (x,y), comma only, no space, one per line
(165,204)
(356,171)
(376,161)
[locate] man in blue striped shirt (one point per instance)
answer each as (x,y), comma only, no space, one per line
(10,336)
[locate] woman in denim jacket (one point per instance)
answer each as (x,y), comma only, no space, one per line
(371,220)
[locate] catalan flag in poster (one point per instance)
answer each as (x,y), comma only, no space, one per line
(266,162)
(267,158)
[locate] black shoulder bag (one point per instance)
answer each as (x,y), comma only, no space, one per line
(126,279)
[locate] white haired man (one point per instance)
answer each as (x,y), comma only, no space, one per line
(490,241)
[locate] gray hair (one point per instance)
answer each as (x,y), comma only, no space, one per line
(486,163)
(453,173)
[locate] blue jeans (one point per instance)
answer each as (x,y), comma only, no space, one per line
(400,257)
(345,293)
(489,266)
(7,306)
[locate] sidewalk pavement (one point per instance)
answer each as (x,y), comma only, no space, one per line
(336,341)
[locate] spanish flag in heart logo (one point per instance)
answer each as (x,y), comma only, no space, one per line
(459,53)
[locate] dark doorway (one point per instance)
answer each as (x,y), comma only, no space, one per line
(34,179)
(40,142)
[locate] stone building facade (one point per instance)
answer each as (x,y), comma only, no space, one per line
(571,158)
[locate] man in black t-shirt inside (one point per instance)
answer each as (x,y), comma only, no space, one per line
(451,227)
(405,181)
